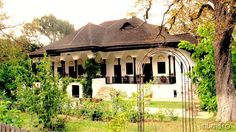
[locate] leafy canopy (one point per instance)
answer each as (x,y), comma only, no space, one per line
(49,27)
(203,73)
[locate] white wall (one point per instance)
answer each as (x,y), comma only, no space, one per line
(163,90)
(159,91)
(69,89)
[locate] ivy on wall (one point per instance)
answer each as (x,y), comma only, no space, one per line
(91,68)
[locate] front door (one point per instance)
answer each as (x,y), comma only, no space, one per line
(147,72)
(117,73)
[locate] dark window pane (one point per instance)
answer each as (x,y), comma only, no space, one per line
(72,72)
(34,68)
(117,74)
(129,68)
(80,70)
(161,67)
(103,70)
(59,71)
(75,90)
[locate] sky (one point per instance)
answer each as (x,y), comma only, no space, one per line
(77,12)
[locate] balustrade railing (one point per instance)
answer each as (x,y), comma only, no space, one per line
(142,79)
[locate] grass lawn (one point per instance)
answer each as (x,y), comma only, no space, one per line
(161,104)
(165,104)
(75,124)
(167,126)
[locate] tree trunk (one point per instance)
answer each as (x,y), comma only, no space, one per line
(225,90)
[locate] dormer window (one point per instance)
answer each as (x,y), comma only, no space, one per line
(127,26)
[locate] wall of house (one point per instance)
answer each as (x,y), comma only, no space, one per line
(160,55)
(69,89)
(159,91)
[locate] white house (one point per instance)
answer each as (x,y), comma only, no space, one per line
(130,52)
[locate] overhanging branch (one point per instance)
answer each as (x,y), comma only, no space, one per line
(204,6)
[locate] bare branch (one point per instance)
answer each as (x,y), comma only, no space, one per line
(11,37)
(204,6)
(148,9)
(174,18)
(146,16)
(163,18)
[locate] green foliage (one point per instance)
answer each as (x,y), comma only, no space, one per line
(9,115)
(9,50)
(123,111)
(91,68)
(15,67)
(67,80)
(203,73)
(15,72)
(173,116)
(161,115)
(45,100)
(119,118)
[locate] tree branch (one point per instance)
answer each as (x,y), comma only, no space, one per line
(146,16)
(163,18)
(204,6)
(174,18)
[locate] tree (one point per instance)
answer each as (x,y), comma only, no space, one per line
(47,99)
(15,67)
(223,15)
(49,27)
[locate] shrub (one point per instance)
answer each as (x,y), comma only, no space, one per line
(203,74)
(9,115)
(150,116)
(58,124)
(173,116)
(46,100)
(133,117)
(160,115)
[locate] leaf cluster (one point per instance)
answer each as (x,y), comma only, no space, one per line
(45,100)
(47,26)
(91,68)
(203,73)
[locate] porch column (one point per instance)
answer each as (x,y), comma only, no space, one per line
(134,61)
(76,68)
(169,64)
(151,72)
(63,68)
